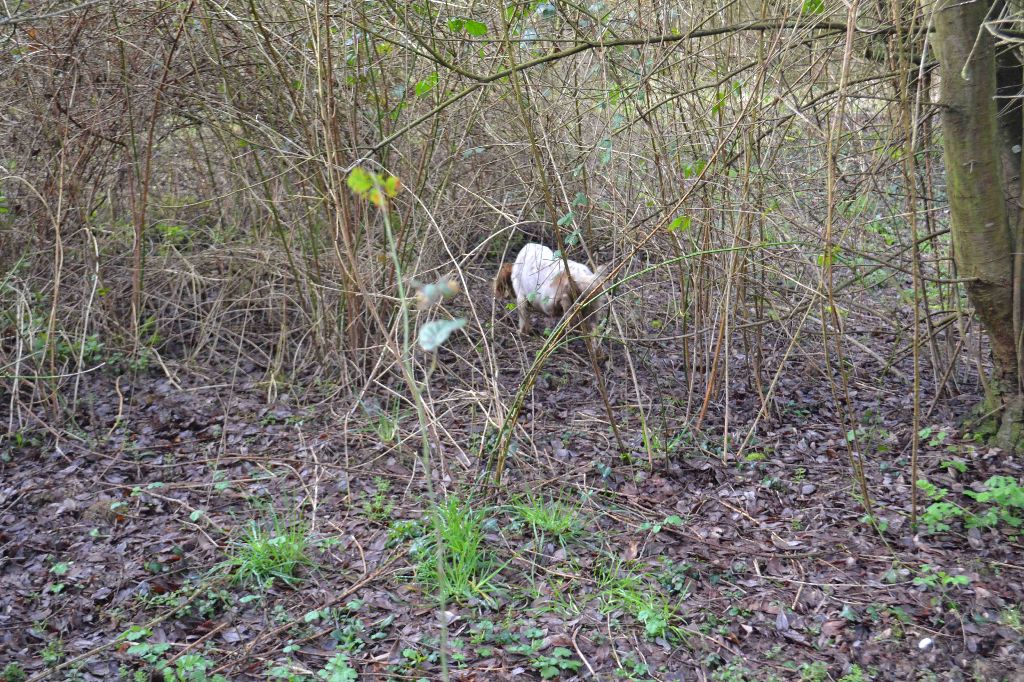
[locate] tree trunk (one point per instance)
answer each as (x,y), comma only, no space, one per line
(983,186)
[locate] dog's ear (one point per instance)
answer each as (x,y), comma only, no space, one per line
(503,282)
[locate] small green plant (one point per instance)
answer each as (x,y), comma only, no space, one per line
(677,578)
(1006,499)
(549,517)
(659,440)
(410,663)
(377,506)
(733,671)
(1002,497)
(264,554)
(937,515)
(934,436)
(814,672)
(554,664)
(875,521)
(931,577)
(385,424)
(287,673)
(53,652)
(656,526)
(403,530)
(59,569)
(856,674)
(632,669)
(13,672)
(621,589)
(1011,618)
(137,635)
(468,569)
(191,668)
(338,670)
(187,668)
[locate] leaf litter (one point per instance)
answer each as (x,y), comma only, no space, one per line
(114,538)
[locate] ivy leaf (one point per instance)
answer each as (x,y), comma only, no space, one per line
(435,333)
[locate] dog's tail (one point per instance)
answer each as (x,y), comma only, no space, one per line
(503,282)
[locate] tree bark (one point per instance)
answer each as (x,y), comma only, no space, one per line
(983,189)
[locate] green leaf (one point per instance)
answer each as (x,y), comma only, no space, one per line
(196,515)
(580,199)
(61,568)
(682,224)
(719,102)
(692,169)
(426,85)
(435,333)
(359,181)
(566,219)
(813,7)
(456,25)
(476,28)
(391,186)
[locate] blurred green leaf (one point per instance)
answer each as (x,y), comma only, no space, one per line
(476,28)
(435,333)
(359,181)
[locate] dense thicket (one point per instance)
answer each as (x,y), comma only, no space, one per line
(175,180)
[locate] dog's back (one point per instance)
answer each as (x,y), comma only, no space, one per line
(538,279)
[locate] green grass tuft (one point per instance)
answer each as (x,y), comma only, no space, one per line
(468,568)
(265,554)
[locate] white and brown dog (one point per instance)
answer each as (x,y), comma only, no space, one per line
(538,279)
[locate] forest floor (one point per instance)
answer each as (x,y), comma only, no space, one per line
(189,525)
